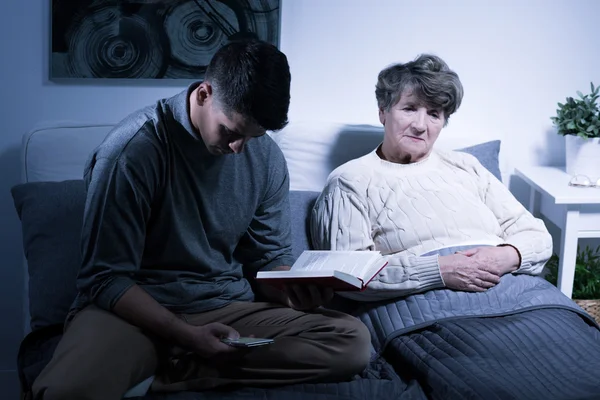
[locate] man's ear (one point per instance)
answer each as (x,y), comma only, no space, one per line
(203,93)
(382,116)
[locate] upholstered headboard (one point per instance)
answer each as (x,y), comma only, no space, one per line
(58,152)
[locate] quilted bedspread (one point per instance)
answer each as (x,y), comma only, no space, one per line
(522,339)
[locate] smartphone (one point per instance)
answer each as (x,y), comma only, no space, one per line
(247,342)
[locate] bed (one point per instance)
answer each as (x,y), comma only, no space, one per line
(438,345)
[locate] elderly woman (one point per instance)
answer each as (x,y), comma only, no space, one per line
(465,315)
(421,205)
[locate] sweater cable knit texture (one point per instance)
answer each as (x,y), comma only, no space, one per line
(406,210)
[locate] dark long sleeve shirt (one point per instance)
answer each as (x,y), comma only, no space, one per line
(163,213)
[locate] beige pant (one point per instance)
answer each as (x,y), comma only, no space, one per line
(101,356)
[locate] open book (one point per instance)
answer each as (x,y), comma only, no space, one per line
(340,270)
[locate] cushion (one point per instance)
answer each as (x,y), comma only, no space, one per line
(488,154)
(313,150)
(51,216)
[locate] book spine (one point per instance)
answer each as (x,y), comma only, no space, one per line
(364,285)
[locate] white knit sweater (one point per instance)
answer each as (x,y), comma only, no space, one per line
(405,210)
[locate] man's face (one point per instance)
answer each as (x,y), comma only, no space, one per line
(223,134)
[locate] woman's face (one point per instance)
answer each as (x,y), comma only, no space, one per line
(411,129)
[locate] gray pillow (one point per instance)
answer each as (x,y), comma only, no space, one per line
(51,216)
(488,155)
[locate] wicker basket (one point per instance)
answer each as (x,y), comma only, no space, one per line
(592,307)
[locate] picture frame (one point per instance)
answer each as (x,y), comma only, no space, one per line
(151,39)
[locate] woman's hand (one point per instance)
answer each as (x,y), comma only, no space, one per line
(478,269)
(497,260)
(461,272)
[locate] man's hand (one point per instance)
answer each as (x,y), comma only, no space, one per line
(497,260)
(306,297)
(461,272)
(205,340)
(301,297)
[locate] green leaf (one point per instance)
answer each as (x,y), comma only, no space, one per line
(586,284)
(578,116)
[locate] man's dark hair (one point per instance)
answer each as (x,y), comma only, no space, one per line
(252,78)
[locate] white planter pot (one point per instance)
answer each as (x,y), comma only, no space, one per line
(583,156)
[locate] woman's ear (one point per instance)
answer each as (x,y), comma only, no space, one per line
(382,115)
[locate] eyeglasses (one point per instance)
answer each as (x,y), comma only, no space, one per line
(584,181)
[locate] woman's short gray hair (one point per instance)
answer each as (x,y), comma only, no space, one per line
(428,77)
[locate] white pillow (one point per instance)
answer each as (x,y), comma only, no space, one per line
(314,149)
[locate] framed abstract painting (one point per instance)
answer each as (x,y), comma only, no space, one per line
(151,39)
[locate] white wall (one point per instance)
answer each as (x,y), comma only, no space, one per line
(516,60)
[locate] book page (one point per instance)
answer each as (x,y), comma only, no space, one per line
(354,263)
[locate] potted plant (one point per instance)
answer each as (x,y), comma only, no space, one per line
(578,120)
(586,286)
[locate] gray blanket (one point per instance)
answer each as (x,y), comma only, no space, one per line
(514,294)
(547,354)
(522,339)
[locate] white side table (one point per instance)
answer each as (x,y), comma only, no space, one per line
(573,209)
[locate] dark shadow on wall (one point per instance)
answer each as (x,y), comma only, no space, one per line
(521,190)
(552,152)
(11,270)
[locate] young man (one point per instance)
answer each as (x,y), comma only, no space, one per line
(186,200)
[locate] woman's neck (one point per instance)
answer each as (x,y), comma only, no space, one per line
(404,159)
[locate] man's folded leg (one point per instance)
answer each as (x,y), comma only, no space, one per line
(318,346)
(100,356)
